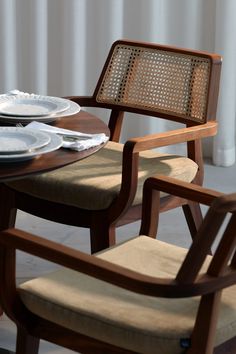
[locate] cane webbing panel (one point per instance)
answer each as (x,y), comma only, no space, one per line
(158,80)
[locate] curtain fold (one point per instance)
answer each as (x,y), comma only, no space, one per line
(225,44)
(8,57)
(58,47)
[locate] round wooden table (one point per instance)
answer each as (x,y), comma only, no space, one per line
(83,122)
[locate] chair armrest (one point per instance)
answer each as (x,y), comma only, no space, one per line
(171,186)
(172,137)
(135,145)
(181,189)
(13,239)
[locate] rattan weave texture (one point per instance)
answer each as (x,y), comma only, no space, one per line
(156,79)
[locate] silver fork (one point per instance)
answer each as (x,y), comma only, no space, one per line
(19,125)
(65,136)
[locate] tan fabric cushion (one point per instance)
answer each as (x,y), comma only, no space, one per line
(136,322)
(94,182)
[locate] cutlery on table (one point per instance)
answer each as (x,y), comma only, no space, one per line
(65,136)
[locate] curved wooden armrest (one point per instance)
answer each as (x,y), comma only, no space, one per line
(189,191)
(135,145)
(16,239)
(181,189)
(172,186)
(172,137)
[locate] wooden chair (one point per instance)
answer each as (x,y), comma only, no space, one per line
(105,190)
(141,296)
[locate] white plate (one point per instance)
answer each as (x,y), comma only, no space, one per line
(54,144)
(73,109)
(20,140)
(31,105)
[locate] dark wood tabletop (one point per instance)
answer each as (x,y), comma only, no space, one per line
(83,122)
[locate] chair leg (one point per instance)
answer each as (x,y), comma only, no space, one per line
(101,236)
(203,335)
(26,344)
(193,215)
(7,209)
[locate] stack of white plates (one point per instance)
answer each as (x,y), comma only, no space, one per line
(24,108)
(19,144)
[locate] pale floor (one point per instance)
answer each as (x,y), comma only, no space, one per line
(172,228)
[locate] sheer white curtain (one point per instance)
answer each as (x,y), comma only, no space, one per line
(58,47)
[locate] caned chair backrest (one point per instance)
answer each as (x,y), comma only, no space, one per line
(161,81)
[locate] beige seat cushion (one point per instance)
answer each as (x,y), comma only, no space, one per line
(140,323)
(94,182)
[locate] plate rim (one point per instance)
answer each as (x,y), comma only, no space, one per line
(74,108)
(54,144)
(42,139)
(61,104)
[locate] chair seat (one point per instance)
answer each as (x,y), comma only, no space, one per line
(136,322)
(94,183)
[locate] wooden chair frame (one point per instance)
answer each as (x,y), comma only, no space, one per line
(102,223)
(221,273)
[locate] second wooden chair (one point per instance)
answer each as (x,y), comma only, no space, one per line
(105,190)
(141,296)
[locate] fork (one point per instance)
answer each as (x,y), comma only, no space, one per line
(65,136)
